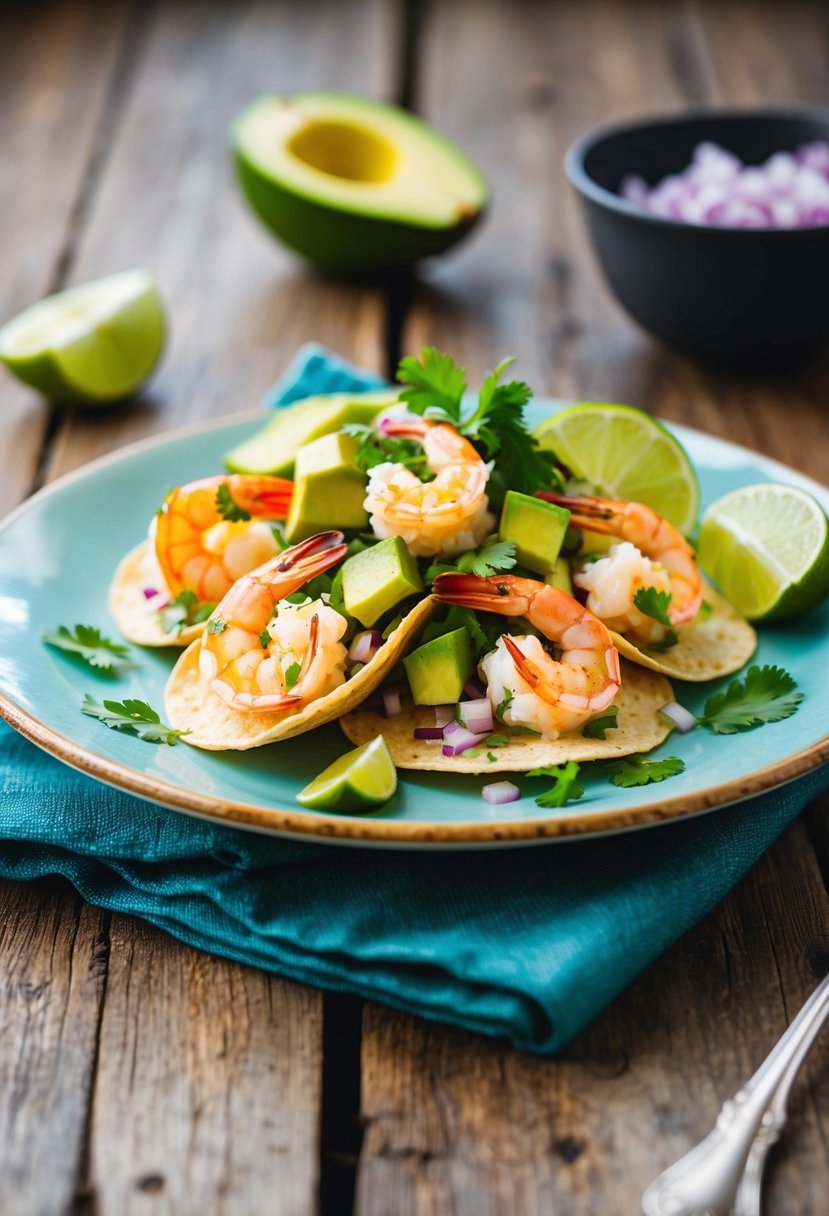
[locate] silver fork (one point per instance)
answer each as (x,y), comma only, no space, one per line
(723,1174)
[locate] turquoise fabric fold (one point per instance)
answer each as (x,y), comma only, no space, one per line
(524,944)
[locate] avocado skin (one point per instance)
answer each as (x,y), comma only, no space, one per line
(337,241)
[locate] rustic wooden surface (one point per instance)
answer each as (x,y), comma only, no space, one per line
(137,1075)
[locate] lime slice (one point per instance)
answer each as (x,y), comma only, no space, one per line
(358,781)
(767,548)
(624,453)
(92,343)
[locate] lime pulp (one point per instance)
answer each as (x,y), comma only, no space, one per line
(360,780)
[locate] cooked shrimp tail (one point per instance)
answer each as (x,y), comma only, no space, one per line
(648,531)
(551,695)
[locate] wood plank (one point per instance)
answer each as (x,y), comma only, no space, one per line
(453,1124)
(238,304)
(57,78)
(457,1125)
(208,1087)
(53,953)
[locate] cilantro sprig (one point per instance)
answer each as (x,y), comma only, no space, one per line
(566,787)
(765,694)
(492,557)
(227,506)
(598,727)
(376,448)
(182,611)
(655,604)
(638,770)
(434,387)
(134,716)
(90,645)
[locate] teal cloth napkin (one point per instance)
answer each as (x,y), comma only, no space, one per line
(526,944)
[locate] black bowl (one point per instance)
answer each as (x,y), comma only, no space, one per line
(737,299)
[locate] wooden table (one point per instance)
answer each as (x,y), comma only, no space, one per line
(139,1076)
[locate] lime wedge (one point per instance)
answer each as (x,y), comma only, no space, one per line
(767,548)
(624,453)
(93,343)
(359,781)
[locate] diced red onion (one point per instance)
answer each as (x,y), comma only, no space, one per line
(499,792)
(476,715)
(791,190)
(459,740)
(150,593)
(428,732)
(473,689)
(444,714)
(681,717)
(364,646)
(391,702)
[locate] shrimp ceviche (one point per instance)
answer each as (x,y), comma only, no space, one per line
(432,571)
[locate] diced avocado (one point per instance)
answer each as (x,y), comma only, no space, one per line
(378,578)
(273,448)
(438,670)
(596,542)
(329,489)
(536,528)
(560,576)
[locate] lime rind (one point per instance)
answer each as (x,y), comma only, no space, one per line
(625,453)
(360,780)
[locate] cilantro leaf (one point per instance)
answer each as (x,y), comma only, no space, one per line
(509,697)
(265,639)
(765,694)
(491,757)
(668,642)
(497,741)
(434,384)
(376,448)
(183,610)
(217,626)
(493,556)
(653,603)
(292,674)
(598,728)
(638,770)
(227,507)
(132,715)
(567,787)
(90,645)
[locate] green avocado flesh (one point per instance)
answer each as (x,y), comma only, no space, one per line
(328,488)
(378,578)
(273,449)
(560,576)
(536,528)
(438,670)
(354,185)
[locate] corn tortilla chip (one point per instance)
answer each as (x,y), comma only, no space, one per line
(191,705)
(639,729)
(132,612)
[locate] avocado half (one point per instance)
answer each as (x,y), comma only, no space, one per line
(354,185)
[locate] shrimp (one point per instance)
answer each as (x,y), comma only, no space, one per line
(199,549)
(665,561)
(552,696)
(256,663)
(446,515)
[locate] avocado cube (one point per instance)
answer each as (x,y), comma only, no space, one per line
(273,449)
(560,576)
(438,670)
(329,489)
(378,578)
(536,528)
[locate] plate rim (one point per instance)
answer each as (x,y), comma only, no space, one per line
(364,829)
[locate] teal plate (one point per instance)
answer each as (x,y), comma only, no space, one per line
(57,555)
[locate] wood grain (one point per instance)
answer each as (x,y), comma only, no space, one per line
(57,78)
(208,1088)
(455,1125)
(239,305)
(53,954)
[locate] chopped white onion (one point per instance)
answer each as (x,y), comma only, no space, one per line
(499,792)
(681,717)
(364,646)
(391,702)
(475,715)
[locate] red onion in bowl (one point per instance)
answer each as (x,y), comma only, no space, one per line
(499,792)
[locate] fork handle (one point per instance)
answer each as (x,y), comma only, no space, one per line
(705,1182)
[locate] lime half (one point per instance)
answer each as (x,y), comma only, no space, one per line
(93,343)
(767,548)
(625,453)
(359,781)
